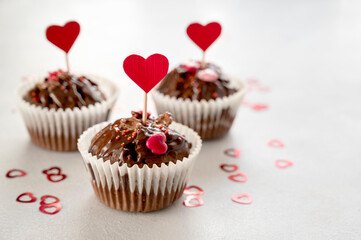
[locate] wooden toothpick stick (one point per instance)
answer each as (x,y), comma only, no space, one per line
(203,62)
(145,109)
(67,62)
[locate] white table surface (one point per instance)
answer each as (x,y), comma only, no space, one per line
(308,52)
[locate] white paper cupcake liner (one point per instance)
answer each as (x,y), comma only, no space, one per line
(59,129)
(108,179)
(211,119)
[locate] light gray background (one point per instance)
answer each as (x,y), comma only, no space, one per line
(308,52)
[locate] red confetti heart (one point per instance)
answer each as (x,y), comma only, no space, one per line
(187,201)
(259,106)
(15,173)
(233,152)
(44,205)
(28,194)
(283,163)
(229,167)
(63,37)
(235,177)
(156,143)
(187,190)
(276,143)
(204,36)
(146,73)
(54,174)
(238,198)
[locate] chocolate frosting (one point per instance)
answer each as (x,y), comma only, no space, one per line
(64,90)
(124,141)
(183,82)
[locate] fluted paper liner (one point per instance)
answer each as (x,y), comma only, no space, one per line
(211,119)
(134,188)
(58,129)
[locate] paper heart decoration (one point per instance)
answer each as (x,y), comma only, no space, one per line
(204,36)
(44,205)
(238,198)
(233,152)
(63,36)
(15,173)
(28,194)
(276,143)
(188,191)
(229,167)
(156,143)
(146,73)
(236,177)
(283,163)
(187,201)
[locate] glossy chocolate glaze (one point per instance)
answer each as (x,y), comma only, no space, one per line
(124,141)
(183,82)
(63,90)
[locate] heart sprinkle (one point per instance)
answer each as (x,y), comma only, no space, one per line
(229,167)
(29,194)
(191,66)
(207,75)
(15,173)
(276,143)
(156,143)
(235,177)
(237,198)
(44,205)
(54,176)
(187,190)
(187,201)
(283,163)
(233,152)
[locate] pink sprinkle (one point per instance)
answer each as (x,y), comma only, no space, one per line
(191,66)
(208,75)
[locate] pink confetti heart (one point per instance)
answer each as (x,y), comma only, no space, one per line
(15,173)
(238,198)
(276,143)
(188,191)
(233,152)
(28,194)
(208,75)
(229,167)
(189,199)
(283,163)
(238,177)
(156,143)
(259,106)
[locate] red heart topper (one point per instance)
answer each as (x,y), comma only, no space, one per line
(63,37)
(146,73)
(204,36)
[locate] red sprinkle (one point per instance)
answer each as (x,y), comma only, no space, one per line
(122,144)
(117,130)
(129,138)
(214,95)
(180,139)
(62,88)
(166,131)
(117,137)
(126,131)
(160,127)
(134,134)
(114,126)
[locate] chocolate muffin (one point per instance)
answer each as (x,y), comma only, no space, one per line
(202,98)
(139,167)
(58,108)
(63,90)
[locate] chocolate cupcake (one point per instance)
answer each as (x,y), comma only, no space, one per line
(58,108)
(202,98)
(136,167)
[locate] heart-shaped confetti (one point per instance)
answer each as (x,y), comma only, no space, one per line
(26,194)
(190,190)
(63,36)
(276,143)
(259,106)
(44,205)
(283,163)
(156,143)
(229,167)
(204,36)
(238,177)
(233,152)
(238,198)
(54,174)
(146,73)
(15,173)
(191,198)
